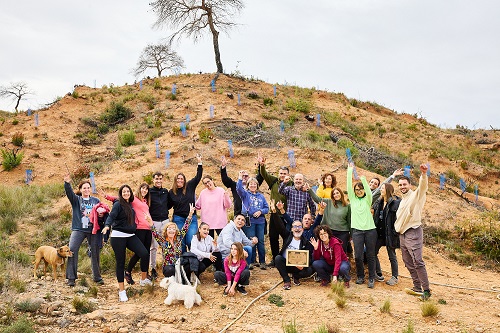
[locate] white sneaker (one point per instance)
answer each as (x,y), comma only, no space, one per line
(145,282)
(123,295)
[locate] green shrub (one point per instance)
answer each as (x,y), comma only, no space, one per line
(268,101)
(290,327)
(157,84)
(83,305)
(15,122)
(205,134)
(429,309)
(11,158)
(28,306)
(18,139)
(410,328)
(276,299)
(155,133)
(386,307)
(253,95)
(116,113)
(299,105)
(8,224)
(292,119)
(119,150)
(22,325)
(127,138)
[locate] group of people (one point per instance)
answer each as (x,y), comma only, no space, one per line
(319,222)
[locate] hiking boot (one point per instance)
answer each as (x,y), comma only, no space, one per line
(263,267)
(425,295)
(224,293)
(241,289)
(379,278)
(128,278)
(392,281)
(296,281)
(287,285)
(360,280)
(100,282)
(271,264)
(154,275)
(316,277)
(256,264)
(123,296)
(71,283)
(325,283)
(145,282)
(346,284)
(371,283)
(414,292)
(251,266)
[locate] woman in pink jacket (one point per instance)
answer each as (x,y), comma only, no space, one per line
(213,203)
(143,231)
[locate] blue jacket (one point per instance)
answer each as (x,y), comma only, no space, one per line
(252,202)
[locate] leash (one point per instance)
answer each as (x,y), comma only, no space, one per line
(248,306)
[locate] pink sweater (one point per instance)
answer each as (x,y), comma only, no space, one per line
(213,205)
(140,207)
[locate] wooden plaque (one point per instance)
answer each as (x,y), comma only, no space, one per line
(298,258)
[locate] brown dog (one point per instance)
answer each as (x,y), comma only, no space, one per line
(54,257)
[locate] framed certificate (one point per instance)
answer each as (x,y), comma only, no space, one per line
(297,258)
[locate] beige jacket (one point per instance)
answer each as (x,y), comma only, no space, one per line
(409,213)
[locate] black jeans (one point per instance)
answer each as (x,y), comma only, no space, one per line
(275,231)
(205,263)
(283,269)
(145,237)
(364,240)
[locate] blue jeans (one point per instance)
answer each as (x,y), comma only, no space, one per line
(249,251)
(324,270)
(257,230)
(193,229)
(364,239)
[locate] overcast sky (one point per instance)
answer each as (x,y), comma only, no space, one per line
(439,59)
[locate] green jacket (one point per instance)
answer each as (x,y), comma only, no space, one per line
(361,215)
(273,183)
(337,218)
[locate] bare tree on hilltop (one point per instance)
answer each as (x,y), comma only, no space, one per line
(192,17)
(16,91)
(159,57)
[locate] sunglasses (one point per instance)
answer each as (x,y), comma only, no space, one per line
(296,226)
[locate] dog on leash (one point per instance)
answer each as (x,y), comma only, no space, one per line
(180,292)
(51,256)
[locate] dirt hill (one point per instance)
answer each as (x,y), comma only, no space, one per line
(73,135)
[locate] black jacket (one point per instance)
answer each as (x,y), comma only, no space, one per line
(384,219)
(158,207)
(180,202)
(117,219)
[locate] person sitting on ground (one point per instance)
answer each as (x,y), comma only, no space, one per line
(232,233)
(171,242)
(330,261)
(235,274)
(205,249)
(294,241)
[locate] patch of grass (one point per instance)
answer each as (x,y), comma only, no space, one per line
(116,113)
(119,150)
(299,105)
(268,101)
(83,305)
(253,95)
(7,314)
(8,225)
(290,327)
(21,325)
(11,158)
(329,328)
(127,138)
(341,302)
(269,116)
(223,306)
(337,288)
(155,133)
(18,139)
(441,301)
(429,309)
(82,281)
(205,134)
(276,300)
(292,119)
(386,307)
(410,328)
(93,291)
(28,305)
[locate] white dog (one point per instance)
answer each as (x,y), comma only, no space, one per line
(180,292)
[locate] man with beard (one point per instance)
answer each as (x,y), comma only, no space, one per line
(294,240)
(409,226)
